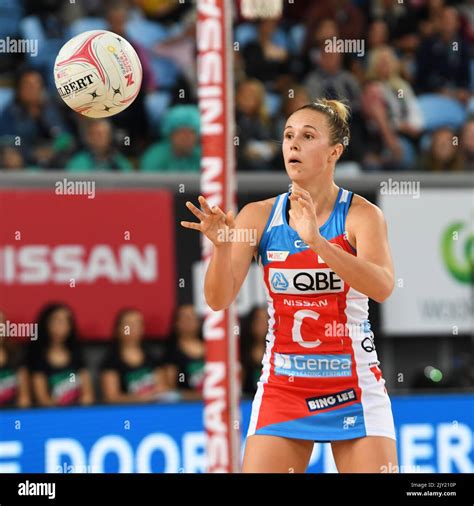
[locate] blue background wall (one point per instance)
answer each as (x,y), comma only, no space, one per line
(435,434)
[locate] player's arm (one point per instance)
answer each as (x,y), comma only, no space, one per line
(371,271)
(232,250)
(231,261)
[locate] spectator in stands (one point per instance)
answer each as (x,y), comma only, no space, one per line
(185,355)
(59,375)
(377,36)
(325,29)
(403,109)
(428,15)
(467,145)
(31,120)
(399,17)
(164,11)
(253,348)
(133,120)
(99,153)
(380,148)
(11,158)
(443,154)
(180,47)
(331,81)
(443,59)
(265,60)
(129,374)
(256,149)
(348,17)
(466,11)
(14,378)
(180,149)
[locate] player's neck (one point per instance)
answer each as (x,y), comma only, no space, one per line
(324,193)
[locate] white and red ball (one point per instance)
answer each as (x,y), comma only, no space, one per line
(98,73)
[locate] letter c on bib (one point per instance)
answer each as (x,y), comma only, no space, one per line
(299,316)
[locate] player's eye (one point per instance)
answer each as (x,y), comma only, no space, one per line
(308,136)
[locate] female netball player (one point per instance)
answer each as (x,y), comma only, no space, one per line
(324,252)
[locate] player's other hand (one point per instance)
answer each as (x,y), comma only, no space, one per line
(303,213)
(213,222)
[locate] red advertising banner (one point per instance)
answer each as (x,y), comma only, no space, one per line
(97,255)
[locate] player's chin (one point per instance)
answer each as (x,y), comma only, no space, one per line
(294,169)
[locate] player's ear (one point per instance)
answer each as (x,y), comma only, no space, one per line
(336,152)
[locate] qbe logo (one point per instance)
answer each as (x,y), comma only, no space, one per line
(279,282)
(313,366)
(307,282)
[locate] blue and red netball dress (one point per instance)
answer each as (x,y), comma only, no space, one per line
(320,379)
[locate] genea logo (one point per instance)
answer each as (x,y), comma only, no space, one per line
(458,252)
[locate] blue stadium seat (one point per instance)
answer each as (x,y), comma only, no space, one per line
(146,33)
(166,71)
(48,48)
(10,16)
(6,95)
(296,36)
(30,28)
(85,25)
(156,104)
(439,110)
(470,107)
(273,103)
(247,32)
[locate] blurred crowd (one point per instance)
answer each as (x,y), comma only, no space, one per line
(55,370)
(60,369)
(409,84)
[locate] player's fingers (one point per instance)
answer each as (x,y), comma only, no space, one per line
(205,204)
(195,210)
(307,210)
(190,224)
(306,196)
(305,203)
(230,219)
(297,188)
(218,211)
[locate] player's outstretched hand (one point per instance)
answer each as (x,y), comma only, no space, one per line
(214,223)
